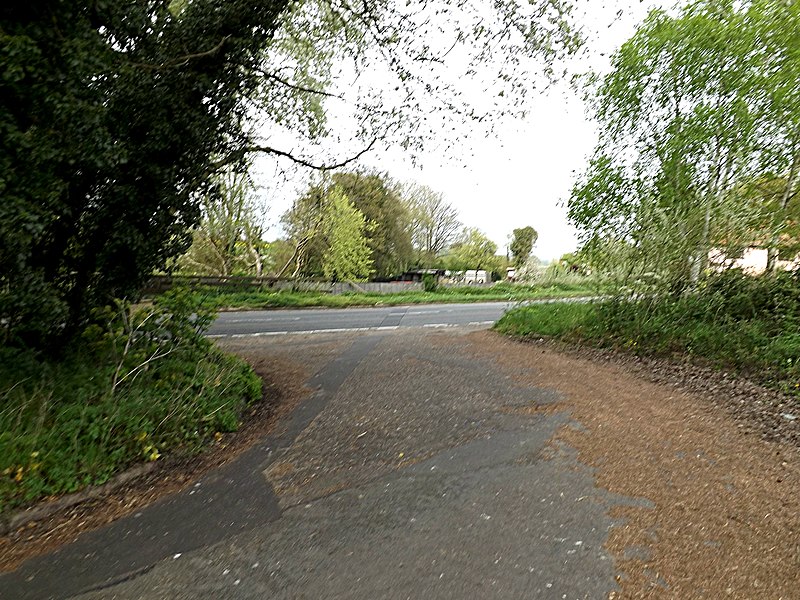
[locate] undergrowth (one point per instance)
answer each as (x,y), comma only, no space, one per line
(747,324)
(136,387)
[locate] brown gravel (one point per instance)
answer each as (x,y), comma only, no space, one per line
(283,389)
(725,515)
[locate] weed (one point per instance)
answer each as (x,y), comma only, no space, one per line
(138,386)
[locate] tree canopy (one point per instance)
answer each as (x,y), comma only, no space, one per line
(522,242)
(228,239)
(347,257)
(434,222)
(697,109)
(113,117)
(388,236)
(473,250)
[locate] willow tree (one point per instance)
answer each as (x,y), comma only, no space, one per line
(689,117)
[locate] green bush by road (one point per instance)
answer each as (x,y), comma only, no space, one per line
(134,388)
(747,324)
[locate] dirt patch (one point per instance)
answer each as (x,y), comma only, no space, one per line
(283,389)
(725,516)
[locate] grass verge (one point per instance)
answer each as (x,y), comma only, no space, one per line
(749,325)
(128,393)
(213,299)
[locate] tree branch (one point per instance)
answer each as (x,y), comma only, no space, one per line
(183,60)
(299,88)
(237,155)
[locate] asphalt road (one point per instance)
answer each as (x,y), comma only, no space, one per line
(278,322)
(404,474)
(445,462)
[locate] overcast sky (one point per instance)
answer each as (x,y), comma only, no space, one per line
(522,176)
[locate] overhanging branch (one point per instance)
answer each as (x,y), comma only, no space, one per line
(239,154)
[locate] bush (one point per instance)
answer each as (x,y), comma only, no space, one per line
(738,322)
(430,283)
(137,386)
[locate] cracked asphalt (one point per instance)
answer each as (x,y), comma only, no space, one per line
(422,464)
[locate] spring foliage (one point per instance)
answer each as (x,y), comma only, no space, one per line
(697,110)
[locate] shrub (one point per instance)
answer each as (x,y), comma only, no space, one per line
(136,386)
(430,283)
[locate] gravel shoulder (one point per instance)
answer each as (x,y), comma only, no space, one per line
(721,476)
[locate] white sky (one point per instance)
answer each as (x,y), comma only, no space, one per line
(522,176)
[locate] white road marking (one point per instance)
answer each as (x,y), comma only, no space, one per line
(306,332)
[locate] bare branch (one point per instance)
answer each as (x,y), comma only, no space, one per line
(299,88)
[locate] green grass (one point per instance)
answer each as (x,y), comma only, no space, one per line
(743,324)
(560,320)
(216,300)
(65,424)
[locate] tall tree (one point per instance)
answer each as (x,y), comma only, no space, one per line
(113,117)
(347,257)
(473,251)
(388,238)
(522,244)
(228,239)
(434,222)
(689,118)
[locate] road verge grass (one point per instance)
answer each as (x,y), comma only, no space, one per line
(137,387)
(749,325)
(214,299)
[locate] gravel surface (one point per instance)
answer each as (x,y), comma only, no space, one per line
(759,409)
(725,515)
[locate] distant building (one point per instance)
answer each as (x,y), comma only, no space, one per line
(476,276)
(414,275)
(752,261)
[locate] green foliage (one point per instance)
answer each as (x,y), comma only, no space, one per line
(522,244)
(113,117)
(743,323)
(432,221)
(553,320)
(430,283)
(347,258)
(228,239)
(387,237)
(697,110)
(134,387)
(473,251)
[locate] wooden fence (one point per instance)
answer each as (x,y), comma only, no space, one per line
(162,283)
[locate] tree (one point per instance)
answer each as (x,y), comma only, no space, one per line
(688,121)
(473,251)
(114,116)
(117,115)
(434,223)
(388,237)
(228,240)
(347,257)
(522,244)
